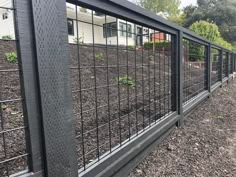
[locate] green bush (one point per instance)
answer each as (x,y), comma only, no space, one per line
(131,47)
(11,57)
(126,81)
(211,32)
(207,30)
(158,45)
(99,56)
(7,37)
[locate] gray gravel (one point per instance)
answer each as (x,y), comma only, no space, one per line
(204,147)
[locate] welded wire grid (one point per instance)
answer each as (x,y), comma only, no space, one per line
(195,70)
(13,154)
(215,66)
(122,80)
(225,65)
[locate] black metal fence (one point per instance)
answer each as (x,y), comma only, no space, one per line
(97,105)
(13,129)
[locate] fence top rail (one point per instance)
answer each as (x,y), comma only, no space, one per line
(163,24)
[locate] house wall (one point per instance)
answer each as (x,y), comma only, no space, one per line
(86,33)
(6,25)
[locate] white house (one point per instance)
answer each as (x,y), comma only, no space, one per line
(104,28)
(103,31)
(6,19)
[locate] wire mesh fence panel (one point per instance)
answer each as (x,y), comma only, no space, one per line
(225,65)
(231,64)
(122,80)
(194,67)
(13,153)
(215,66)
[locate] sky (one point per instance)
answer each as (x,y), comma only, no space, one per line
(188,2)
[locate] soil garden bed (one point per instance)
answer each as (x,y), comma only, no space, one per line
(149,90)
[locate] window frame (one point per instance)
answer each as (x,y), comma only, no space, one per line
(124,30)
(108,29)
(73,31)
(5,16)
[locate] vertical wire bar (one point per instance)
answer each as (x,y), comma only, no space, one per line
(154,53)
(135,73)
(160,72)
(168,76)
(118,71)
(95,88)
(127,71)
(3,136)
(80,89)
(183,82)
(108,85)
(149,84)
(164,76)
(143,79)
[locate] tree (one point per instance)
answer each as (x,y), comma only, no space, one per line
(221,12)
(209,31)
(205,29)
(171,7)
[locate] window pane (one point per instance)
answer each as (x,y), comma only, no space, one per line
(70,27)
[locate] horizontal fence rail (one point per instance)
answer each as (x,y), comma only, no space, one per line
(95,85)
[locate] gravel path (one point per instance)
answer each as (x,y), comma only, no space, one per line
(204,147)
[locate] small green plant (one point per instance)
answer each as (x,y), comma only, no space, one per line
(11,57)
(125,81)
(78,40)
(151,58)
(3,106)
(7,37)
(99,56)
(131,47)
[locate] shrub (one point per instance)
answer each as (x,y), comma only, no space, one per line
(209,31)
(158,45)
(7,37)
(125,81)
(205,29)
(99,56)
(131,47)
(11,57)
(151,58)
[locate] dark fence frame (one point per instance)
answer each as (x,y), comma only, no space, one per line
(42,47)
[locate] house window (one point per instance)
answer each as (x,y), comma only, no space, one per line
(109,30)
(70,24)
(123,29)
(5,16)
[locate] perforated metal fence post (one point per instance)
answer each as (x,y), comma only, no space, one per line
(29,78)
(174,70)
(43,40)
(208,72)
(179,62)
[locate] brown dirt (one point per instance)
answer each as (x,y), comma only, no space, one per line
(204,147)
(12,115)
